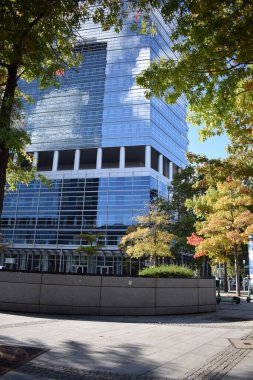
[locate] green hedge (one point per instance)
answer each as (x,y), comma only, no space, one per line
(167,271)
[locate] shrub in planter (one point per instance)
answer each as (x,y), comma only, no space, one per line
(172,271)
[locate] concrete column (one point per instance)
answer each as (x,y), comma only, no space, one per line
(77,159)
(45,262)
(55,160)
(160,164)
(35,158)
(122,157)
(99,158)
(147,156)
(23,261)
(171,171)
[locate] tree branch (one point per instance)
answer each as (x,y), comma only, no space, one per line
(19,76)
(57,55)
(35,22)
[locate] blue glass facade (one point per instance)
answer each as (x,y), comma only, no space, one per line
(99,103)
(71,116)
(105,148)
(40,216)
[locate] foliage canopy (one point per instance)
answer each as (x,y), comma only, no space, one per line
(182,224)
(226,221)
(211,64)
(149,238)
(172,271)
(37,40)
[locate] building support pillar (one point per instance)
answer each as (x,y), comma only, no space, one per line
(77,159)
(122,157)
(55,161)
(160,164)
(148,156)
(171,171)
(99,159)
(35,159)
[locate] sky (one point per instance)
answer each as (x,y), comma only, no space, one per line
(213,147)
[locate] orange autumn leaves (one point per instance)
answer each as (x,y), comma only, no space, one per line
(224,220)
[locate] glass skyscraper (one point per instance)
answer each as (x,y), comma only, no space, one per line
(105,148)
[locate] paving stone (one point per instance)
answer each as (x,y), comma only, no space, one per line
(219,365)
(134,348)
(58,372)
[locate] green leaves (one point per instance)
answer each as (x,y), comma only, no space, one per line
(183,220)
(91,244)
(14,138)
(38,39)
(212,43)
(167,271)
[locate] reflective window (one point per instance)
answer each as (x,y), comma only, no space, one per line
(41,215)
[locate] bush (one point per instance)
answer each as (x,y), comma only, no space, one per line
(172,271)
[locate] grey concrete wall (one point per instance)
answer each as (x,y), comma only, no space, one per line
(97,295)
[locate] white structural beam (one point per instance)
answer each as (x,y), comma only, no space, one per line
(35,158)
(171,171)
(147,156)
(160,164)
(99,159)
(122,157)
(77,159)
(55,161)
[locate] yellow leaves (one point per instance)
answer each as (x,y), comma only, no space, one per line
(153,217)
(244,219)
(145,241)
(149,238)
(228,221)
(216,247)
(249,230)
(235,237)
(232,194)
(139,234)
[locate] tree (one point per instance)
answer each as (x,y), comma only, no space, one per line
(216,247)
(227,221)
(211,171)
(37,41)
(149,237)
(182,225)
(211,64)
(91,247)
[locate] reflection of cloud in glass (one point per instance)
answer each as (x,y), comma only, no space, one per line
(135,96)
(59,108)
(70,117)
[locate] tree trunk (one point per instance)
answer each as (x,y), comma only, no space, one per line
(5,124)
(225,277)
(4,156)
(203,266)
(237,272)
(155,260)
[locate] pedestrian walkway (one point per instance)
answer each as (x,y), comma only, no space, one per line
(192,347)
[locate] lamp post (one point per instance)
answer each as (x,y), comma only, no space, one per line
(250,251)
(244,272)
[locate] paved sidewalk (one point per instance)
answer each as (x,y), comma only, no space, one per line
(192,347)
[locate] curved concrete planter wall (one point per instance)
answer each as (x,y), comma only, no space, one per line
(96,295)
